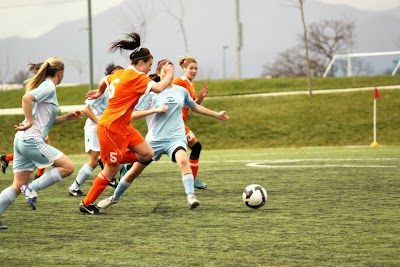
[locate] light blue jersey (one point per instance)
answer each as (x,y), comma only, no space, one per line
(45,109)
(166,131)
(170,125)
(30,149)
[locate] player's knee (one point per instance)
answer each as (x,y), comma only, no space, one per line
(196,149)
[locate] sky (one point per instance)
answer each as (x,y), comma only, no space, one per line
(30,12)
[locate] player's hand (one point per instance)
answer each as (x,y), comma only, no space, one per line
(93,94)
(222,115)
(23,126)
(169,68)
(204,91)
(162,109)
(74,115)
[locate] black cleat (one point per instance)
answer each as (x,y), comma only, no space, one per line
(101,164)
(113,183)
(92,209)
(3,163)
(3,227)
(76,193)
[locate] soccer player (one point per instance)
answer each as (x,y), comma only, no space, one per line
(189,66)
(40,106)
(166,133)
(119,141)
(94,110)
(6,158)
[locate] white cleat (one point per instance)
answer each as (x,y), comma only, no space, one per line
(105,203)
(193,202)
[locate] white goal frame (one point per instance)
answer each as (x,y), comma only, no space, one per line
(354,55)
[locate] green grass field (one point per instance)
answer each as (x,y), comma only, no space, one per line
(327,206)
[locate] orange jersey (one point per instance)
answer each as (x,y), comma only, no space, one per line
(191,88)
(125,88)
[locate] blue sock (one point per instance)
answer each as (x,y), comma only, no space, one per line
(188,183)
(122,186)
(7,197)
(48,178)
(83,174)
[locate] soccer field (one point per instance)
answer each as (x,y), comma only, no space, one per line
(327,206)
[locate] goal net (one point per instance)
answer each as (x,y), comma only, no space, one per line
(364,64)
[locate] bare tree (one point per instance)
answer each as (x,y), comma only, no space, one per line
(20,77)
(326,38)
(79,66)
(179,19)
(4,69)
(289,63)
(136,17)
(330,37)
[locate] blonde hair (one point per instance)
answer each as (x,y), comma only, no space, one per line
(185,61)
(49,68)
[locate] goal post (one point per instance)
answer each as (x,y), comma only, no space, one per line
(349,60)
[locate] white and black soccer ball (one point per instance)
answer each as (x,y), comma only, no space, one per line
(254,196)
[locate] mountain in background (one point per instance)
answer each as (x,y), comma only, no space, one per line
(269,27)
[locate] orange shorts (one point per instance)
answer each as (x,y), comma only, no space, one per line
(113,145)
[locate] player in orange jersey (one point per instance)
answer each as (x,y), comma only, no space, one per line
(189,66)
(119,141)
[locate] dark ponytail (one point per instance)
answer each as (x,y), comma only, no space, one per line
(138,52)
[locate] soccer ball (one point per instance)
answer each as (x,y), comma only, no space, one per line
(254,196)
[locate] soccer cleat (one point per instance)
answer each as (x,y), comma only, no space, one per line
(76,192)
(92,209)
(113,183)
(105,203)
(30,196)
(101,164)
(3,163)
(193,202)
(199,185)
(3,227)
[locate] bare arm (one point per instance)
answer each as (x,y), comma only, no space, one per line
(222,115)
(27,104)
(203,93)
(137,114)
(73,115)
(93,94)
(88,112)
(165,82)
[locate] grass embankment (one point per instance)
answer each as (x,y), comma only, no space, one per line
(284,121)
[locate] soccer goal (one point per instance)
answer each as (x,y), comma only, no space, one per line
(364,64)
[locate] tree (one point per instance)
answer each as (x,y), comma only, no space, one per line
(20,77)
(136,17)
(326,38)
(4,69)
(179,19)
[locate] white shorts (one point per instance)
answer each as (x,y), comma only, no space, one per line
(32,153)
(91,140)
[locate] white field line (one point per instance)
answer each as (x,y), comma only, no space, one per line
(18,111)
(275,163)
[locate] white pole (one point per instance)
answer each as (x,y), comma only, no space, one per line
(374,144)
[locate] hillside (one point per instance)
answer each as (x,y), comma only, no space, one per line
(335,119)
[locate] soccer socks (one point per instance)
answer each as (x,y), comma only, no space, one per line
(83,174)
(7,197)
(99,184)
(188,183)
(10,157)
(121,188)
(40,172)
(194,165)
(48,178)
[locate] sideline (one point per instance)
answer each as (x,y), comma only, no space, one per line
(18,111)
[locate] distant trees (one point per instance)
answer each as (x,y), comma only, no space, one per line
(325,39)
(20,77)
